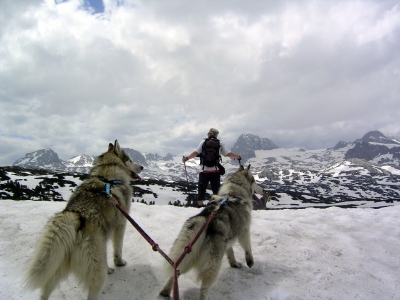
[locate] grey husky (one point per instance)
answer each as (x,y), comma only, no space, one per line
(230,223)
(75,240)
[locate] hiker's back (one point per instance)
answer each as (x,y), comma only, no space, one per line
(210,152)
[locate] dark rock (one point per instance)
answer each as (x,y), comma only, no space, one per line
(247,144)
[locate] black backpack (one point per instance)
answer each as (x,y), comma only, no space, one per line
(210,152)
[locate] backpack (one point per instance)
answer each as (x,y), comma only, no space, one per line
(210,153)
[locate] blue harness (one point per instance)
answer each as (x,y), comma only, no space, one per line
(223,201)
(108,184)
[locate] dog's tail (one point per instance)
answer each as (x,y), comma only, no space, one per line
(52,254)
(188,231)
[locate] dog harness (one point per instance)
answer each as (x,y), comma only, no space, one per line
(108,184)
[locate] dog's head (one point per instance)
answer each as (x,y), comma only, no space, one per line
(249,176)
(135,169)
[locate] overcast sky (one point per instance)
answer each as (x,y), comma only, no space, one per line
(156,75)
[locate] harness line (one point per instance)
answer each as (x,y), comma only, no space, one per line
(155,247)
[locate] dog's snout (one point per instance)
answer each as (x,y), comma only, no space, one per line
(141,167)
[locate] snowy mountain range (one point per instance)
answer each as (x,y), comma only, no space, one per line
(368,168)
(373,147)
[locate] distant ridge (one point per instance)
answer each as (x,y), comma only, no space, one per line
(373,147)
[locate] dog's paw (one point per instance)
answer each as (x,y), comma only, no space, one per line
(110,270)
(236,265)
(119,262)
(249,259)
(250,262)
(164,293)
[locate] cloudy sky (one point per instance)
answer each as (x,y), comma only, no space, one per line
(156,75)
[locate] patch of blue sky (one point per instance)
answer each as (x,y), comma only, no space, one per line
(97,6)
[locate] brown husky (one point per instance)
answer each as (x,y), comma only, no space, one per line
(75,240)
(231,223)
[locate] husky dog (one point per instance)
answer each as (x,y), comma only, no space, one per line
(230,223)
(75,240)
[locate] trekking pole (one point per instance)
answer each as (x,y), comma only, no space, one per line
(187,180)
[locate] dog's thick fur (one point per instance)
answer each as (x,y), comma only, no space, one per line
(230,223)
(75,240)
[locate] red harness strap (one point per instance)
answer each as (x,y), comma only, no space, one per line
(155,247)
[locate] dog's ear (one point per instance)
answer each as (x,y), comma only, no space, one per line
(241,168)
(117,148)
(110,147)
(248,173)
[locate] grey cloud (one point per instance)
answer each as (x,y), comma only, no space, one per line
(157,75)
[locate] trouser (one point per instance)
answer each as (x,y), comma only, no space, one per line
(214,178)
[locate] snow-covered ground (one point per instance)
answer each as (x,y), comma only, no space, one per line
(311,253)
(32,181)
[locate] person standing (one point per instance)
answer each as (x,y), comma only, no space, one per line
(210,150)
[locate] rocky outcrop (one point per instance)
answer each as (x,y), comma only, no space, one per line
(375,146)
(365,150)
(247,144)
(340,145)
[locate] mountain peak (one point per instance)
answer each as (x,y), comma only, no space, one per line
(372,135)
(377,137)
(247,144)
(340,145)
(82,160)
(44,158)
(372,146)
